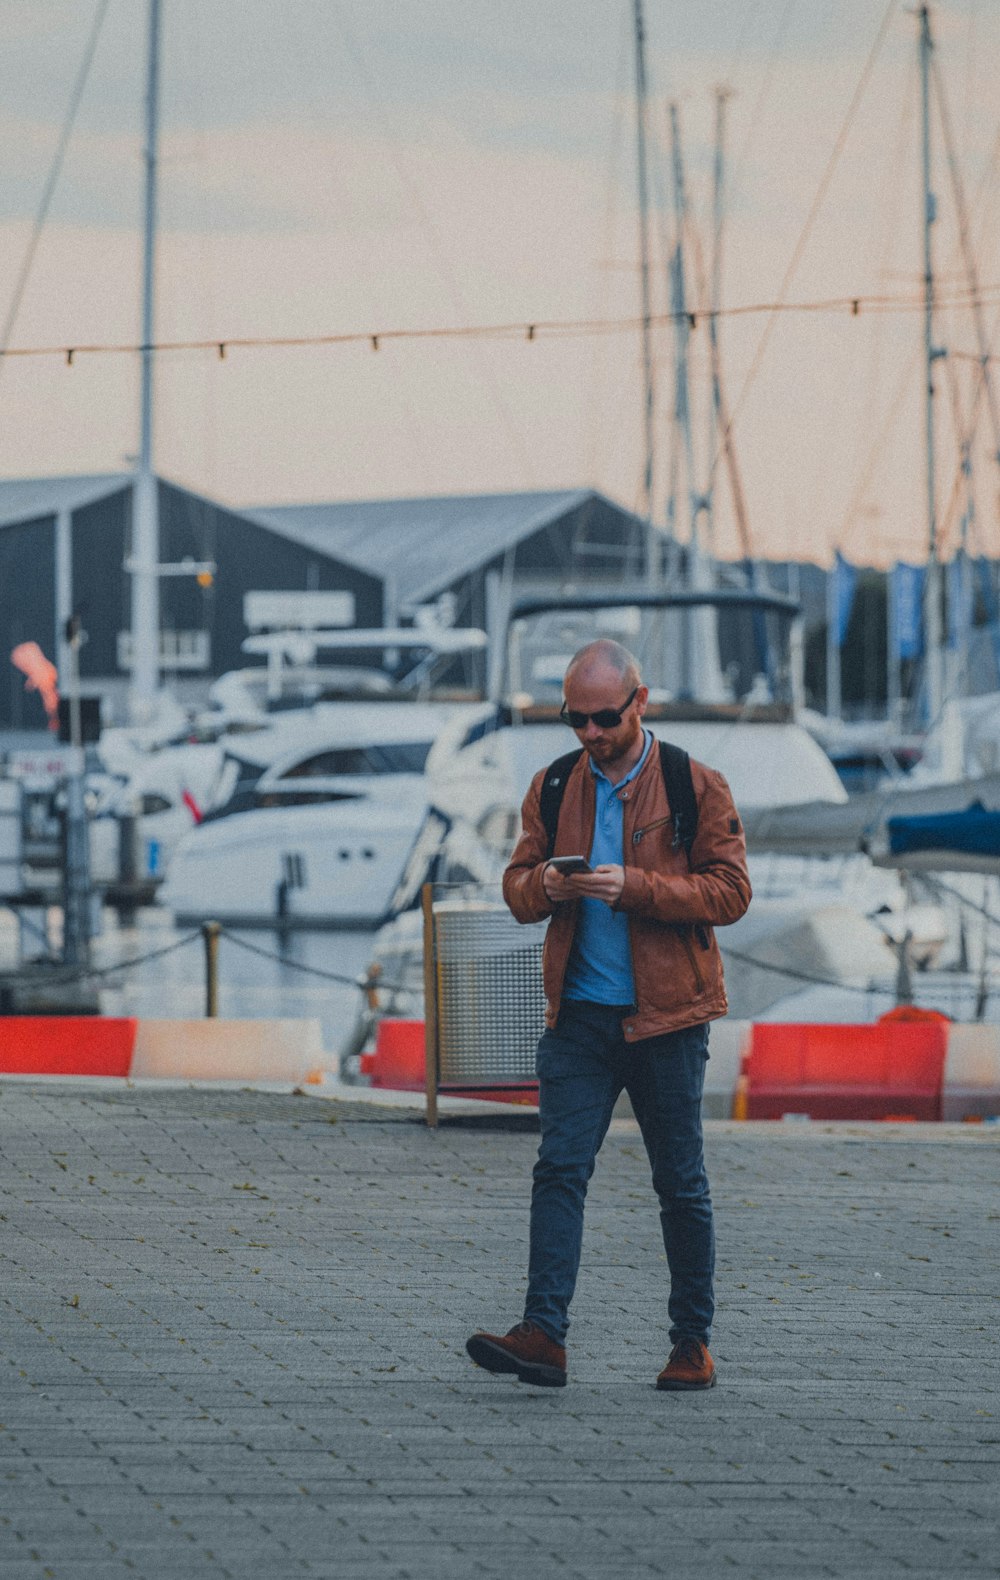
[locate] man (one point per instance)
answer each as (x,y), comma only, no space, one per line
(632,976)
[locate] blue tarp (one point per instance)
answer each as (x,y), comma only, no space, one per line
(976,831)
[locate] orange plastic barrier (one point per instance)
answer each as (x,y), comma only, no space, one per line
(66,1045)
(891,1070)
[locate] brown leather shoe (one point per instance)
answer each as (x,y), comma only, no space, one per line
(690,1366)
(526,1350)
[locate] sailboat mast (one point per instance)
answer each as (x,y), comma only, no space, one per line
(649,397)
(715,293)
(682,334)
(145,556)
(934,662)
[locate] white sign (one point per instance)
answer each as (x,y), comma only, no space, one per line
(297,611)
(41,767)
(190,650)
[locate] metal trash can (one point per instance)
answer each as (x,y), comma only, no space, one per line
(485,1008)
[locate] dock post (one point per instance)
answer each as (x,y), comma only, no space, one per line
(430,1005)
(210,932)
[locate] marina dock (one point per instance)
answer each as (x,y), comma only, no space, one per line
(234,1326)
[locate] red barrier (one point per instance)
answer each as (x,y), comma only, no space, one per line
(892,1070)
(399,1062)
(65,1045)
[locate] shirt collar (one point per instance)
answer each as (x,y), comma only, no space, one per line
(647,736)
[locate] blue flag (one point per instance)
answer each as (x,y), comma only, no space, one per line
(906,590)
(845,581)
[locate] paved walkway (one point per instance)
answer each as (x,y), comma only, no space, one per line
(233,1329)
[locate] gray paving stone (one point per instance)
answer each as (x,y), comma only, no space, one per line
(232,1344)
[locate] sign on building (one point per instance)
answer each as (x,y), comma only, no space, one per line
(179,650)
(297,611)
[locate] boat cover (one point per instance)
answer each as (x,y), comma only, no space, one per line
(975,831)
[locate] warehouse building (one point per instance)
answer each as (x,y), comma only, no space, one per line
(64,546)
(64,543)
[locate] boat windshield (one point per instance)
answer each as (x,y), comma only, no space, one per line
(725,653)
(395,757)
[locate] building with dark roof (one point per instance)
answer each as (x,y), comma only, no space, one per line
(64,543)
(63,546)
(450,547)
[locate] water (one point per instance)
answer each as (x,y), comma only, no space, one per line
(250,986)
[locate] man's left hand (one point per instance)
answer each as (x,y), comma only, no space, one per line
(604,883)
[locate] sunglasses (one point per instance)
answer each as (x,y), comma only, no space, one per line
(604,718)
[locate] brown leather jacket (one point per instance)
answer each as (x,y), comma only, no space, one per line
(673,901)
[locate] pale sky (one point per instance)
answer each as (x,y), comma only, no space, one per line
(332,166)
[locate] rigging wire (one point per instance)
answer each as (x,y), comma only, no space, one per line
(598,436)
(883,269)
(408,185)
(806,232)
(965,244)
(853,511)
(763,92)
(52,181)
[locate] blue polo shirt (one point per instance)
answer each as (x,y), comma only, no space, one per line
(600,965)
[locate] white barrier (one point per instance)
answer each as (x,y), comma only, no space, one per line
(971,1085)
(229,1050)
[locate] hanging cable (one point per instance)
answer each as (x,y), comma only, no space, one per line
(527,332)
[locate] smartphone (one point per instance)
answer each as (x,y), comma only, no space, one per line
(568,865)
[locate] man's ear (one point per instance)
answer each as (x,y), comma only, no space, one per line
(642,700)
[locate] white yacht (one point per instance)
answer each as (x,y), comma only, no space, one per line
(318,814)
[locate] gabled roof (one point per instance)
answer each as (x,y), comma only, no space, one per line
(421,545)
(30,498)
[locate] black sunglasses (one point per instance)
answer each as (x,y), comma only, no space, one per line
(604,718)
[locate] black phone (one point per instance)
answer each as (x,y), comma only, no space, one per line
(568,865)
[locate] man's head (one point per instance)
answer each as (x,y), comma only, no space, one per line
(601,679)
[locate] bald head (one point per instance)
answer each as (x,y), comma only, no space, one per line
(604,658)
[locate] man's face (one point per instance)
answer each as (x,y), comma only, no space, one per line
(591,689)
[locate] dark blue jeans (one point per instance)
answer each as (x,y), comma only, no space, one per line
(583,1064)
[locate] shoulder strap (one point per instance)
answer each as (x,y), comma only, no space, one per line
(553,790)
(675,765)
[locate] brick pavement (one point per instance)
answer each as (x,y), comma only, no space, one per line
(232,1343)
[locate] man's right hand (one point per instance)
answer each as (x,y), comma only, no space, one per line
(558,886)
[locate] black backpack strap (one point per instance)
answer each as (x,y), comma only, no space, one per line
(675,765)
(553,790)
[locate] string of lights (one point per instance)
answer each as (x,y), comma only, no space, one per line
(853,306)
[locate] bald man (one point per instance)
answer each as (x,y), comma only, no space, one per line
(632,978)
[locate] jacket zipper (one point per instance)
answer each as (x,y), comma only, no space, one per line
(637,836)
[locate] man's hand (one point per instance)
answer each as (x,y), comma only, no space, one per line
(604,883)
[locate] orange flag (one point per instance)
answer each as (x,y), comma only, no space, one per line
(43,677)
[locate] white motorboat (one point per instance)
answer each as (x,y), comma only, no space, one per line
(315,820)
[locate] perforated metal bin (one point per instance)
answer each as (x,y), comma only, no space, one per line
(485,1005)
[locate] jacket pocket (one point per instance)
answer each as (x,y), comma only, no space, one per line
(684,932)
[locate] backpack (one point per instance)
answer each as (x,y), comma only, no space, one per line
(675,765)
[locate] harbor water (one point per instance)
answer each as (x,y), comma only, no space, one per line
(261,974)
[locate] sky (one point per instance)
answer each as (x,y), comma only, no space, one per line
(362,166)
